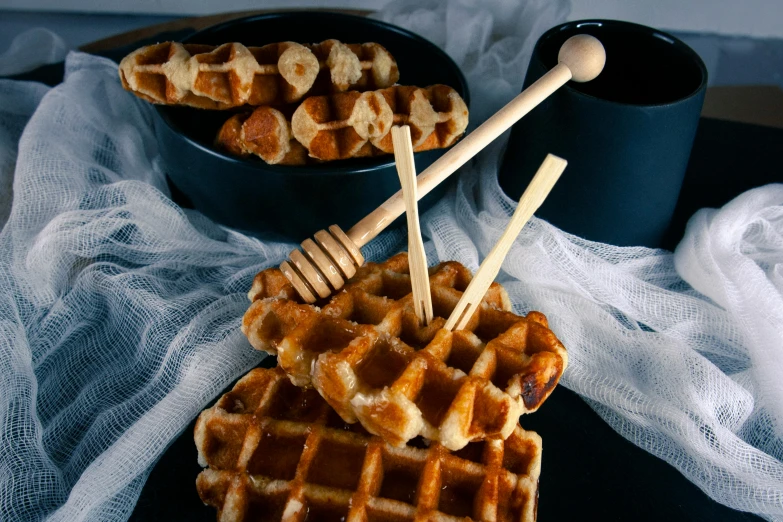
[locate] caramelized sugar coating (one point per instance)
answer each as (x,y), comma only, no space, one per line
(232,75)
(277,452)
(367,355)
(354,124)
(348,125)
(266,133)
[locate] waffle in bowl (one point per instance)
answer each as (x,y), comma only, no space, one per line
(266,133)
(348,125)
(277,452)
(367,355)
(232,75)
(353,124)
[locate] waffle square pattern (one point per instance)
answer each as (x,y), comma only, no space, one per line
(348,125)
(352,124)
(232,75)
(367,355)
(277,452)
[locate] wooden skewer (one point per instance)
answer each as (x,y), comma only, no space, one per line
(417,259)
(581,58)
(535,194)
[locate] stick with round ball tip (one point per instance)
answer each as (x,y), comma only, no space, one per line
(334,255)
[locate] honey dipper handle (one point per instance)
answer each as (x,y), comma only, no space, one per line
(581,57)
(534,195)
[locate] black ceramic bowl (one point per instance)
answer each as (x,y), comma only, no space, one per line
(295,202)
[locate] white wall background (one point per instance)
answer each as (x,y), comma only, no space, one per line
(760,18)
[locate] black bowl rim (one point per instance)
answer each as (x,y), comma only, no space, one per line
(328,168)
(622,24)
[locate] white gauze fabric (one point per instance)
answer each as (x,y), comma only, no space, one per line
(30,49)
(120,312)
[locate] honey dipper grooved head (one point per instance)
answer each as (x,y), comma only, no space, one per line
(584,55)
(323,265)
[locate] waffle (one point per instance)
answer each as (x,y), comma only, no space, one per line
(353,124)
(366,354)
(278,452)
(231,75)
(266,133)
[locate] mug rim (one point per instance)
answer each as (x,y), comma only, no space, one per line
(648,31)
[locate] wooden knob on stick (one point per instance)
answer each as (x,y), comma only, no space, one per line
(581,58)
(584,56)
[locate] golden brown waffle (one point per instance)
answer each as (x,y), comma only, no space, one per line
(278,452)
(366,354)
(231,75)
(353,124)
(266,133)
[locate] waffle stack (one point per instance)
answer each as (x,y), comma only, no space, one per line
(232,75)
(438,434)
(278,452)
(349,125)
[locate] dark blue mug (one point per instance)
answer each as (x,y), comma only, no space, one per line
(627,134)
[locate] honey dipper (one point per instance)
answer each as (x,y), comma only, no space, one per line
(323,265)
